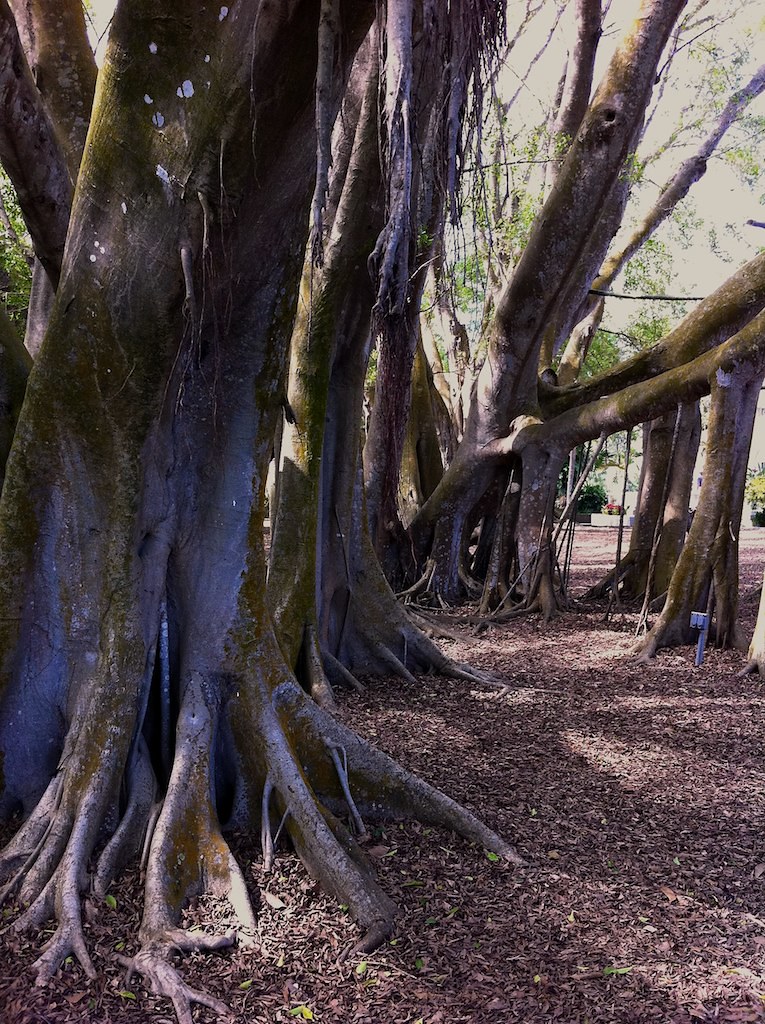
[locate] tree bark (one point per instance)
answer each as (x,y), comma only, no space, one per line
(566,247)
(137,649)
(710,555)
(30,152)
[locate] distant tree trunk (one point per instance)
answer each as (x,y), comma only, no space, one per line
(665,484)
(756,654)
(549,284)
(421,463)
(710,555)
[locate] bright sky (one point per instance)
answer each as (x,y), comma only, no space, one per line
(721,197)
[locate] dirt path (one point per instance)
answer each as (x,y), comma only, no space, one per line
(637,796)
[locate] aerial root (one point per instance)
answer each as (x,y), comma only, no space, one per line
(152,963)
(380,782)
(266,838)
(269,839)
(341,767)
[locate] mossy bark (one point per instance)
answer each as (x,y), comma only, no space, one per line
(144,698)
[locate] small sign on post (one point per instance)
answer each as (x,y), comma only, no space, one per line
(700,621)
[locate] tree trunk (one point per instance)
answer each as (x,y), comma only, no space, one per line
(564,252)
(421,463)
(665,484)
(138,654)
(710,555)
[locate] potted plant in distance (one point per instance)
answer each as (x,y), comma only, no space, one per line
(755,495)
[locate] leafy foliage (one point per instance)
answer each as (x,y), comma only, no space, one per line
(592,498)
(755,491)
(15,255)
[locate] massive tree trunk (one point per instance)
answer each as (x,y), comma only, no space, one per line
(138,654)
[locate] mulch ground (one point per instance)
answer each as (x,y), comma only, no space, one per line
(636,794)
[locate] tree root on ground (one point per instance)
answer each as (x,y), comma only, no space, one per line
(152,962)
(298,771)
(380,637)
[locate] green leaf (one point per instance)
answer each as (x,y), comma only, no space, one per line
(361,968)
(415,883)
(419,963)
(126,994)
(431,920)
(246,984)
(110,901)
(537,979)
(453,911)
(675,860)
(616,970)
(302,1011)
(492,856)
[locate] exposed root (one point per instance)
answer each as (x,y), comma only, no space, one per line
(420,587)
(431,628)
(188,854)
(645,649)
(152,963)
(754,665)
(337,672)
(388,660)
(26,846)
(382,638)
(67,940)
(318,684)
